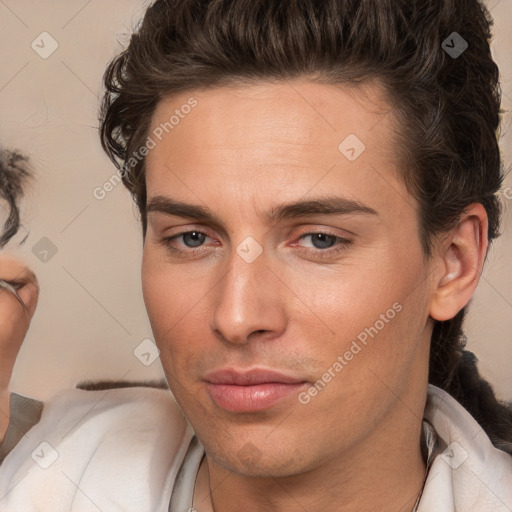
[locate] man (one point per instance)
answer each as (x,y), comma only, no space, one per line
(314,227)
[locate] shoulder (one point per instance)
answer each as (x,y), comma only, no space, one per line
(470,473)
(108,446)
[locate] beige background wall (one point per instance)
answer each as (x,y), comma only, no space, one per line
(91,315)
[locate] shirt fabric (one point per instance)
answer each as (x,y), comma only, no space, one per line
(24,414)
(133,450)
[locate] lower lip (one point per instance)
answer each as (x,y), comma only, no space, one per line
(251,398)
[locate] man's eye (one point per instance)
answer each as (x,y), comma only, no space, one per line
(323,244)
(190,239)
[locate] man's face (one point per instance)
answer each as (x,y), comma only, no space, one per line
(340,300)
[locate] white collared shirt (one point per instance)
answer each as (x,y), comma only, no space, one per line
(123,449)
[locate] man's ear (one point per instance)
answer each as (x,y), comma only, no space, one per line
(461,257)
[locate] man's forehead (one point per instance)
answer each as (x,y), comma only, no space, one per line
(299,126)
(304,147)
(294,111)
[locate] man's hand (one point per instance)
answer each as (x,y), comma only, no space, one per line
(19,293)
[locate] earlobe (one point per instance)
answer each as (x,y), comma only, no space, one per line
(460,264)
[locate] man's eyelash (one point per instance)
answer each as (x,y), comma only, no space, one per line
(168,243)
(341,244)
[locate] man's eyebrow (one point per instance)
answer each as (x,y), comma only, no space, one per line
(331,205)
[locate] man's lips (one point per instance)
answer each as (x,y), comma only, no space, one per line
(250,377)
(251,390)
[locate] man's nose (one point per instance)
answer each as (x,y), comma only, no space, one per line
(249,301)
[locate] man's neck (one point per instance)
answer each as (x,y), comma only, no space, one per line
(385,474)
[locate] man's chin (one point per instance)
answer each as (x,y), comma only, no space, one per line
(256,457)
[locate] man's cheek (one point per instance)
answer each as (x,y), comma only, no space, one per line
(157,291)
(171,363)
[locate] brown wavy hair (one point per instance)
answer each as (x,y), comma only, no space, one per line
(448,107)
(14,174)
